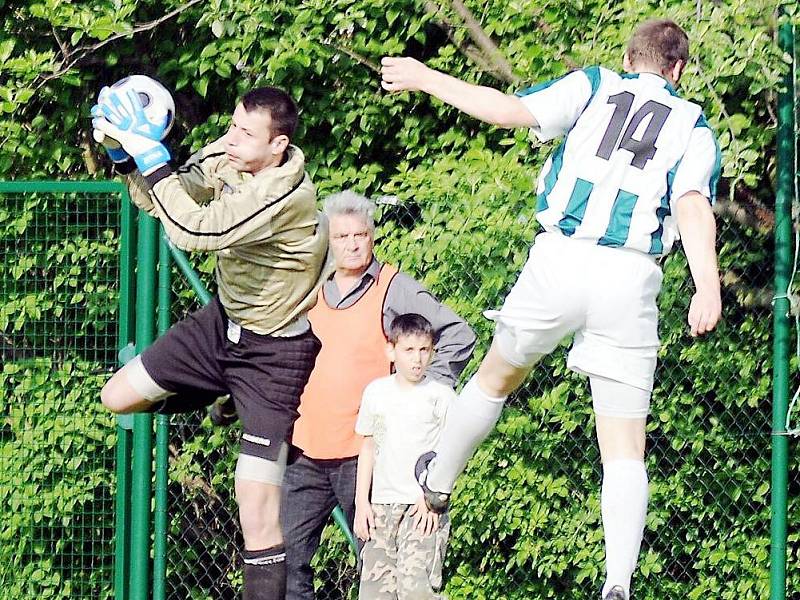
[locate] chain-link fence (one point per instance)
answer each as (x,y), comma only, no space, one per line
(526,521)
(525,514)
(59,250)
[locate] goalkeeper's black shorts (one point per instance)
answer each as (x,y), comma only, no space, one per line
(198,360)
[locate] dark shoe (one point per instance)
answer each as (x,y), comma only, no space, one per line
(223,412)
(615,593)
(435,501)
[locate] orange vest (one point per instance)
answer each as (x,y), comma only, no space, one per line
(352,355)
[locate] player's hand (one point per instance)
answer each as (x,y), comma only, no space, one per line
(149,155)
(402,73)
(113,147)
(425,521)
(704,311)
(364,524)
(124,109)
(121,116)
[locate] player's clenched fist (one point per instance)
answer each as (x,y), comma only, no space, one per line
(402,73)
(704,312)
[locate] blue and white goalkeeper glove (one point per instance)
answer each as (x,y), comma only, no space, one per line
(122,117)
(112,146)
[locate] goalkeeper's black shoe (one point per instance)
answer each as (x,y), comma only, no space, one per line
(223,412)
(435,501)
(615,593)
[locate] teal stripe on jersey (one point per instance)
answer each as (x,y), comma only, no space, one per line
(656,243)
(576,207)
(620,224)
(538,87)
(552,177)
(593,73)
(712,185)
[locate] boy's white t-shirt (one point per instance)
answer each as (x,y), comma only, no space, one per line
(405,422)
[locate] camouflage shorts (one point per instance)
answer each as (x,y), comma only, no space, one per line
(398,563)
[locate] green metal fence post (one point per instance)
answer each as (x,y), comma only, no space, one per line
(781,331)
(143,423)
(341,521)
(124,433)
(188,271)
(162,435)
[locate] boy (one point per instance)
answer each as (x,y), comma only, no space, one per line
(637,165)
(400,418)
(247,197)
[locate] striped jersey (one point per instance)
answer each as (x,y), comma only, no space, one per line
(632,147)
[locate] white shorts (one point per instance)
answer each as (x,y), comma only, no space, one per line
(606,297)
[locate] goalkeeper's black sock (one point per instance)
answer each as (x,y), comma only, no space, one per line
(265,573)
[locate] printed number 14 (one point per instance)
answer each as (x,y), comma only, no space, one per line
(643,149)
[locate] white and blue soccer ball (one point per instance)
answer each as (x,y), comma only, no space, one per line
(156,99)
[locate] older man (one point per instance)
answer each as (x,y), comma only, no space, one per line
(355,307)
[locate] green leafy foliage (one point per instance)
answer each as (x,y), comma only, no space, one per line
(526,514)
(58,257)
(56,456)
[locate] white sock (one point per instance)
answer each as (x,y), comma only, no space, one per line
(624,507)
(468,422)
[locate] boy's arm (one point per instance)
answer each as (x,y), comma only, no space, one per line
(364,523)
(484,103)
(698,231)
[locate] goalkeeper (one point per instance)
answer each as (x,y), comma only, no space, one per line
(248,198)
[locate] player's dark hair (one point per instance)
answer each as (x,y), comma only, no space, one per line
(409,324)
(282,109)
(659,42)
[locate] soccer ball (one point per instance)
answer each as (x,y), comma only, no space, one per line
(156,99)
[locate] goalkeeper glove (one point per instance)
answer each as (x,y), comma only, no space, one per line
(112,146)
(124,119)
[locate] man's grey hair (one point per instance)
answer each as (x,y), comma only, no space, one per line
(349,202)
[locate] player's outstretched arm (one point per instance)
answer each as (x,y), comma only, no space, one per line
(698,232)
(400,74)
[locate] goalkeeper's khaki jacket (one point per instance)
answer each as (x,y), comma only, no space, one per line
(270,239)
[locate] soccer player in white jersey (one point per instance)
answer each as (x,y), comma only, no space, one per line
(637,166)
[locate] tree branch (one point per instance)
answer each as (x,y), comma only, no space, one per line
(757,216)
(61,45)
(352,54)
(470,51)
(747,296)
(484,42)
(73,58)
(194,483)
(485,53)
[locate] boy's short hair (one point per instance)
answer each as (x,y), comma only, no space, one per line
(280,106)
(352,203)
(409,324)
(658,42)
